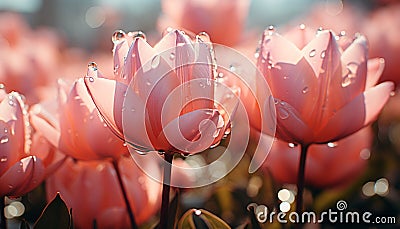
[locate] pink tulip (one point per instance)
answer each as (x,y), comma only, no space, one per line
(169,104)
(92,190)
(75,127)
(321,92)
(207,15)
(20,171)
(329,165)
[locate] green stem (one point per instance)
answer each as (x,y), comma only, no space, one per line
(165,191)
(3,222)
(124,194)
(301,180)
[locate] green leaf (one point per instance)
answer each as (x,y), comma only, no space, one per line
(55,215)
(201,219)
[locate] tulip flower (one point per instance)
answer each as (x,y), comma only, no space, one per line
(321,91)
(162,98)
(20,170)
(328,165)
(75,127)
(318,88)
(207,15)
(92,190)
(169,97)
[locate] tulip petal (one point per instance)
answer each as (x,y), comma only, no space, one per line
(109,104)
(22,177)
(192,132)
(139,56)
(375,70)
(368,105)
(290,126)
(12,139)
(45,128)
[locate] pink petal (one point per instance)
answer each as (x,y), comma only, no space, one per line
(139,56)
(375,69)
(300,36)
(45,128)
(192,132)
(345,121)
(12,139)
(354,67)
(290,126)
(108,96)
(22,177)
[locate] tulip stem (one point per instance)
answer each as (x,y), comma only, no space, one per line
(3,223)
(300,180)
(165,191)
(124,194)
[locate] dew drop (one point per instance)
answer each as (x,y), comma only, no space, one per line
(203,37)
(4,139)
(148,83)
(10,186)
(323,54)
(392,93)
(2,86)
(256,54)
(302,26)
(160,152)
(3,159)
(232,68)
(155,61)
(137,34)
(346,81)
(118,36)
(332,144)
(11,101)
(305,90)
(91,79)
(116,67)
(292,145)
(172,56)
(285,77)
(92,66)
(201,84)
(220,75)
(283,113)
(312,53)
(141,152)
(271,29)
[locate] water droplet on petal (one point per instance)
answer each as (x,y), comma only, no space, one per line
(203,37)
(271,29)
(232,68)
(92,66)
(285,77)
(201,84)
(116,67)
(3,159)
(4,139)
(323,54)
(91,79)
(332,144)
(155,61)
(283,113)
(220,75)
(312,53)
(148,83)
(305,90)
(346,81)
(137,34)
(2,86)
(160,152)
(118,36)
(292,145)
(392,93)
(302,26)
(172,56)
(10,186)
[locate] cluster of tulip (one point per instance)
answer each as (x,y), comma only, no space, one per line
(300,108)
